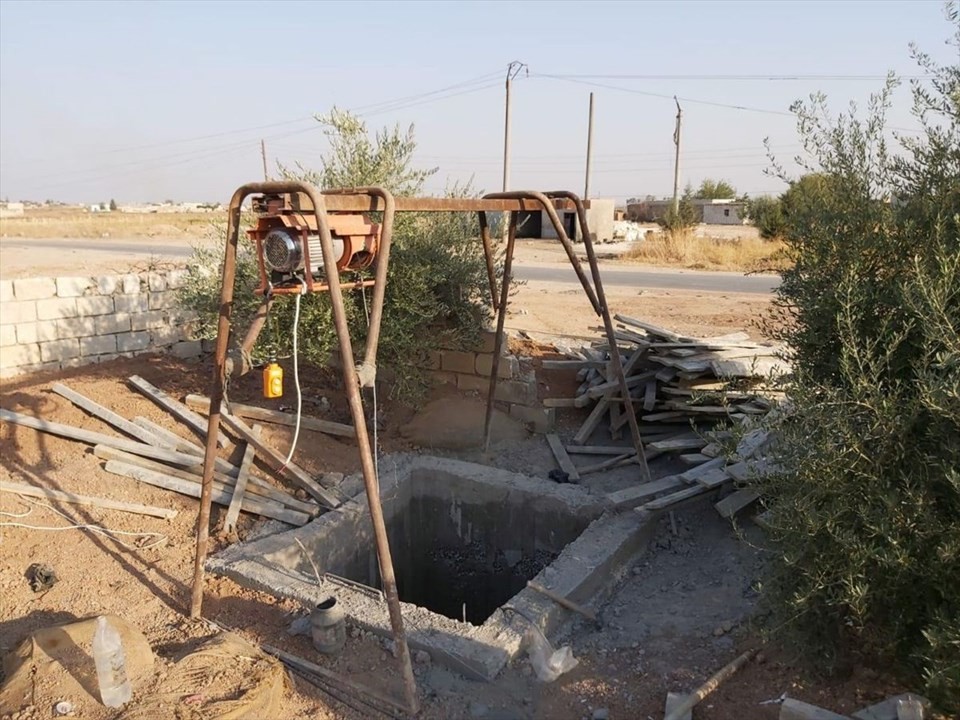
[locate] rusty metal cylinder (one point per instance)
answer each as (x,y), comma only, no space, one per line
(328,628)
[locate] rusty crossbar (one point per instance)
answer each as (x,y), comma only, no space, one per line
(350,201)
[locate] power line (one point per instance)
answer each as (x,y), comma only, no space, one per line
(785,77)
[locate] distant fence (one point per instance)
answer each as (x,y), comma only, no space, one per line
(51,323)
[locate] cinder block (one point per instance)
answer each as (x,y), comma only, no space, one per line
(80,361)
(488,339)
(130,284)
(515,391)
(98,345)
(74,286)
(27,333)
(107,284)
(156,282)
(108,357)
(131,303)
(43,331)
(56,309)
(76,327)
(95,305)
(116,323)
(6,291)
(13,370)
(541,420)
(148,320)
(163,300)
(187,349)
(177,278)
(457,361)
(509,365)
(12,313)
(34,288)
(473,383)
(59,350)
(168,335)
(133,341)
(8,335)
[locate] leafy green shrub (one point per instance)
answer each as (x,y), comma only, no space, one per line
(766,214)
(437,286)
(867,507)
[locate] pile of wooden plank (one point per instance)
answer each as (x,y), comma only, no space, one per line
(153,455)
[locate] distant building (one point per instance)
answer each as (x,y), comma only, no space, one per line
(600,214)
(711,212)
(11,209)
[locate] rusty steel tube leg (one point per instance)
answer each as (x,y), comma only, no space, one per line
(216,397)
(370,482)
(501,320)
(488,256)
(608,326)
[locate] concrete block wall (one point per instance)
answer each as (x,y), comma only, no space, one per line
(51,323)
(470,370)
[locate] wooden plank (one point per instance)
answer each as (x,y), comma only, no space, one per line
(562,601)
(651,329)
(179,444)
(255,485)
(110,417)
(630,497)
(590,424)
(563,402)
(694,443)
(650,396)
(563,460)
(693,459)
(736,501)
(658,417)
(597,449)
(278,465)
(74,499)
(762,367)
(791,709)
(94,438)
(175,408)
(613,462)
(706,466)
(675,700)
(614,385)
(252,412)
(571,364)
(233,510)
(668,500)
(220,492)
(713,478)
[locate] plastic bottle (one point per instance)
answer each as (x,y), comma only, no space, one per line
(111,665)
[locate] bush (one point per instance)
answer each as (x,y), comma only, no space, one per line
(867,507)
(766,214)
(437,286)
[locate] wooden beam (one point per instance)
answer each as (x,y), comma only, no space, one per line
(613,462)
(597,450)
(233,511)
(678,444)
(572,364)
(175,408)
(590,424)
(74,499)
(679,496)
(179,444)
(633,496)
(111,418)
(736,501)
(252,412)
(221,493)
(563,460)
(562,601)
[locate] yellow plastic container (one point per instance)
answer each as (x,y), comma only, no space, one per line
(273,381)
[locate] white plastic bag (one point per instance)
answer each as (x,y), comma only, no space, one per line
(548,664)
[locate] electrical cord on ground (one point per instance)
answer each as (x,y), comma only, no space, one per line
(296,372)
(95,529)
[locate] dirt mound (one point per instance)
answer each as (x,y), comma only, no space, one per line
(456,422)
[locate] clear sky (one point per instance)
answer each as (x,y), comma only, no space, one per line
(144,101)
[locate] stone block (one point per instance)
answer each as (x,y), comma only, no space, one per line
(163,300)
(130,284)
(133,341)
(116,323)
(131,303)
(6,291)
(74,286)
(541,420)
(488,339)
(8,335)
(186,349)
(516,391)
(168,335)
(80,361)
(108,284)
(34,288)
(509,365)
(17,355)
(95,305)
(98,345)
(157,282)
(43,331)
(76,327)
(56,309)
(457,361)
(148,320)
(473,383)
(12,313)
(27,332)
(177,278)
(59,350)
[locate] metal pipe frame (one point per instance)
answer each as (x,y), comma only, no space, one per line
(376,196)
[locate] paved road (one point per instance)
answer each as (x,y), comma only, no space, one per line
(620,277)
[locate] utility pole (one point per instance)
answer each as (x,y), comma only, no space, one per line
(676,163)
(513,69)
(263,154)
(586,180)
